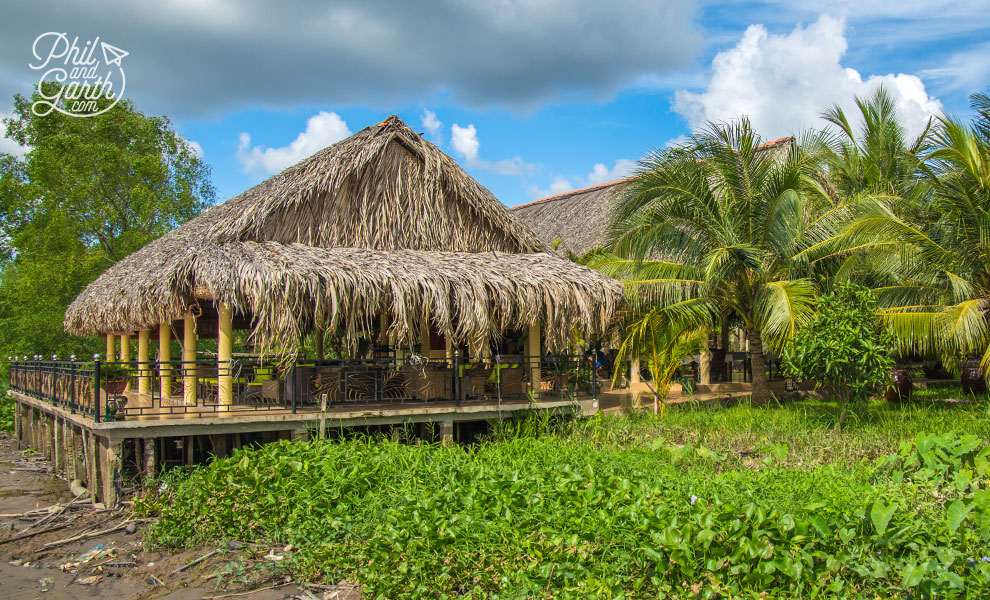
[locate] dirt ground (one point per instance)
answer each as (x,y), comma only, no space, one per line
(36,561)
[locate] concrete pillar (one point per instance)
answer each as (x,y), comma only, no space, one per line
(299,434)
(225,348)
(144,361)
(58,460)
(125,354)
(92,476)
(634,368)
(705,363)
(18,426)
(111,352)
(110,471)
(78,454)
(189,360)
(164,357)
(446,432)
(534,354)
(150,469)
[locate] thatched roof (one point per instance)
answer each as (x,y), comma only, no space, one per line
(382,222)
(287,288)
(575,221)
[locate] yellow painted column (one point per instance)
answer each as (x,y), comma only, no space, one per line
(125,355)
(111,352)
(144,361)
(225,349)
(189,360)
(534,354)
(164,356)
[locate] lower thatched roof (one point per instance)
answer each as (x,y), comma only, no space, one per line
(285,289)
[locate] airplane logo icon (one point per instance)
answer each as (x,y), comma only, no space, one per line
(112,51)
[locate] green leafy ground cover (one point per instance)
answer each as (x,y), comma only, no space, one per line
(706,503)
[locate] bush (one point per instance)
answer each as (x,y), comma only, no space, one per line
(844,349)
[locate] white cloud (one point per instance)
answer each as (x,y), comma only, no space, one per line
(784,82)
(322,130)
(196,148)
(621,169)
(465,141)
(431,123)
(968,71)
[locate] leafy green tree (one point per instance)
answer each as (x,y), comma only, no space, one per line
(844,348)
(88,192)
(722,226)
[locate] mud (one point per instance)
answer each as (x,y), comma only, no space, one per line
(115,565)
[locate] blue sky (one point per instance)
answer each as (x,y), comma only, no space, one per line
(532,98)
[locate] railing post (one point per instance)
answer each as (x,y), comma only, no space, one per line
(455,385)
(96,390)
(72,385)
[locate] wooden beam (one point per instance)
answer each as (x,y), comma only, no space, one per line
(225,347)
(144,361)
(189,360)
(164,357)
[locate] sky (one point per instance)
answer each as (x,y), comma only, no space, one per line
(531,98)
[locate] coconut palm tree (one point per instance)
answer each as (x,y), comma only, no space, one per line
(940,301)
(720,226)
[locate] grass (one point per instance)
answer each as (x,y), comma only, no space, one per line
(705,503)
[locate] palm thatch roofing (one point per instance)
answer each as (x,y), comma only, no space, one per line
(382,223)
(576,221)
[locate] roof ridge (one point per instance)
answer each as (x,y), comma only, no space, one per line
(589,188)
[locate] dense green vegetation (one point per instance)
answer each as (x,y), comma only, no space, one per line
(86,194)
(703,503)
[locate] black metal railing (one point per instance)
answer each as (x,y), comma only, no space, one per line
(110,391)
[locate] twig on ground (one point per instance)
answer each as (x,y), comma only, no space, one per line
(195,562)
(249,592)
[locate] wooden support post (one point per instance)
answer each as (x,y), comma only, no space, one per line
(144,361)
(78,454)
(221,445)
(189,449)
(189,360)
(318,343)
(634,367)
(110,470)
(225,348)
(446,432)
(150,469)
(125,354)
(534,354)
(111,352)
(705,363)
(58,460)
(165,357)
(92,477)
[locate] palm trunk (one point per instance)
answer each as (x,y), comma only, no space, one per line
(761,387)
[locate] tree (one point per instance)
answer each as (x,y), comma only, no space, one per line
(939,298)
(722,226)
(88,192)
(844,348)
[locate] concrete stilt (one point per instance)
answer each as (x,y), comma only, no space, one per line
(58,450)
(110,468)
(92,476)
(79,462)
(188,449)
(18,429)
(150,469)
(446,432)
(299,434)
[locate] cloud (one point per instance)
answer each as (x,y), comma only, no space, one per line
(191,59)
(967,71)
(620,170)
(784,82)
(465,141)
(322,130)
(196,148)
(431,123)
(599,174)
(7,145)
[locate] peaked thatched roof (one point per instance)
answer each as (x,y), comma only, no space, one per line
(575,221)
(382,222)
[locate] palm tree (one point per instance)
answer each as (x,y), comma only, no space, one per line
(723,226)
(939,301)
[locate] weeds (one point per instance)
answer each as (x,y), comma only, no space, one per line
(704,503)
